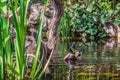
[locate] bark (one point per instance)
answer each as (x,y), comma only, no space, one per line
(58,11)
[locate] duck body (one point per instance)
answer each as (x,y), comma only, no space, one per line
(70,60)
(70,56)
(76,56)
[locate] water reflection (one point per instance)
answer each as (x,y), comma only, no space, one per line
(100,61)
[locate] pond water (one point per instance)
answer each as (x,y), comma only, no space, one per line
(100,61)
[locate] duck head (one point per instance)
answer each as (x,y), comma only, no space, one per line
(78,55)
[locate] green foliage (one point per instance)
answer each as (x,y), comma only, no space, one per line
(5,51)
(117,14)
(1,51)
(33,71)
(68,23)
(20,26)
(35,68)
(44,1)
(117,20)
(14,66)
(86,17)
(92,75)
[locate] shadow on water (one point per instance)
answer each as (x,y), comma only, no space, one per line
(100,61)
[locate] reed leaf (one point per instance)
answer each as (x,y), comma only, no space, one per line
(34,67)
(20,26)
(1,51)
(5,51)
(38,46)
(19,70)
(46,65)
(6,39)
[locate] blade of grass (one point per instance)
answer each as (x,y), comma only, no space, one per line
(46,65)
(5,52)
(38,46)
(20,26)
(20,38)
(13,70)
(39,65)
(18,42)
(34,67)
(6,38)
(1,52)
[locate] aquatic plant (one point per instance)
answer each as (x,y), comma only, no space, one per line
(91,76)
(5,50)
(84,19)
(13,61)
(20,27)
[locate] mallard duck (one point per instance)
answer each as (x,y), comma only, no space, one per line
(74,54)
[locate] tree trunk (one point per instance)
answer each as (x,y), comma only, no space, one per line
(58,11)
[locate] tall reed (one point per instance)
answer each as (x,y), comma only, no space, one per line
(20,26)
(1,51)
(35,69)
(17,71)
(5,50)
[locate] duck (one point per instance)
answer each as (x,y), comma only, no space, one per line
(73,54)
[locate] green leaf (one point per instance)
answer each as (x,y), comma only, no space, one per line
(75,6)
(118,6)
(37,47)
(90,8)
(117,20)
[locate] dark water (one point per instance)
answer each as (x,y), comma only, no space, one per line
(100,61)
